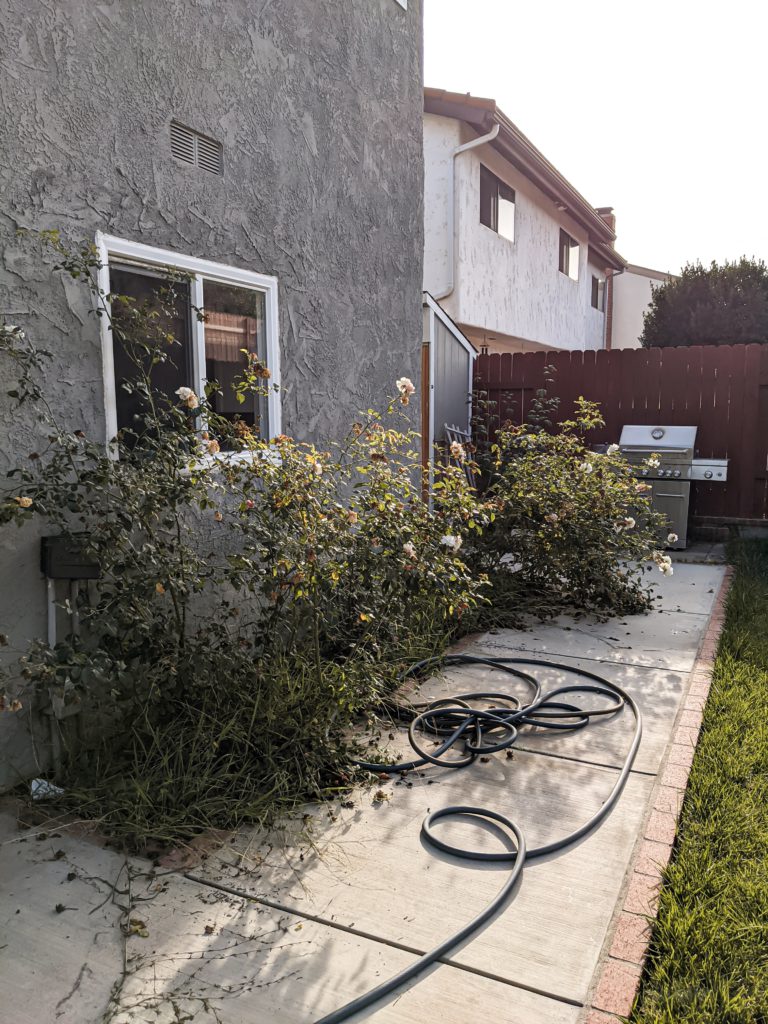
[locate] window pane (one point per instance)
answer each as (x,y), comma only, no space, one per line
(147,290)
(235,321)
(595,291)
(489,199)
(565,249)
(573,259)
(506,226)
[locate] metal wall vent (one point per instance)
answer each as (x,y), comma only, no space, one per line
(193,148)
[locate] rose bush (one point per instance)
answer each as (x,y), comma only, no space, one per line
(573,529)
(249,605)
(256,594)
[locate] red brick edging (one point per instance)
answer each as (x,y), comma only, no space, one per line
(617,978)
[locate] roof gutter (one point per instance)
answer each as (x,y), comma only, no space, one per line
(489,137)
(520,152)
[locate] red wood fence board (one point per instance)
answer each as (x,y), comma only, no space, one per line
(722,390)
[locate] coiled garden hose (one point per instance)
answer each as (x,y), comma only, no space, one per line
(481,731)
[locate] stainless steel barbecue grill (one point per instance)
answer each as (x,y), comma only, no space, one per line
(671,479)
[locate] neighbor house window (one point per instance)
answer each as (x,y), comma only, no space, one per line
(598,293)
(215,317)
(497,204)
(568,262)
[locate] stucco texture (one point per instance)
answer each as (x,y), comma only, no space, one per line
(502,287)
(318,106)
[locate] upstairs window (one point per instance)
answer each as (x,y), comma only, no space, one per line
(497,204)
(598,293)
(568,262)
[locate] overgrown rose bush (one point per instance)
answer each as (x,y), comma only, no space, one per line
(250,603)
(573,529)
(253,600)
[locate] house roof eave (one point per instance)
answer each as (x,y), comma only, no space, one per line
(482,114)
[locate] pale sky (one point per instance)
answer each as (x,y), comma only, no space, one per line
(657,108)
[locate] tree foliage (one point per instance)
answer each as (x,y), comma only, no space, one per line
(717,305)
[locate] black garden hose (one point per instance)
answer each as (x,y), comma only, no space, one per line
(484,731)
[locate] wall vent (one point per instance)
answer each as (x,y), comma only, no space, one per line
(193,148)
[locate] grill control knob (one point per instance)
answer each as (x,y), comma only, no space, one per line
(708,474)
(676,473)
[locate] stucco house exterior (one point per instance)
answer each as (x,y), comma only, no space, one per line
(271,151)
(631,294)
(513,253)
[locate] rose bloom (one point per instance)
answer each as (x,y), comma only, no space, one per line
(23,501)
(405,386)
(672,538)
(448,540)
(409,550)
(586,467)
(612,449)
(213,447)
(457,451)
(188,397)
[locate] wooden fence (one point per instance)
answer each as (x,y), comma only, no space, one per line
(722,390)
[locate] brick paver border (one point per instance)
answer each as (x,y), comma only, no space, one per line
(617,977)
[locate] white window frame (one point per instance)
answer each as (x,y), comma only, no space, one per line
(110,247)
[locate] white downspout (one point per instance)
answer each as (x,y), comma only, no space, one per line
(452,206)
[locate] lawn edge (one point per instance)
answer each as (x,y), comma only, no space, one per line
(616,980)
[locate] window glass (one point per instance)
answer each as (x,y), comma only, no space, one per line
(133,289)
(506,218)
(234,320)
(568,258)
(489,198)
(497,204)
(565,250)
(598,292)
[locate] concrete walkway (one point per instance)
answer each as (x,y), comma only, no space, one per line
(286,927)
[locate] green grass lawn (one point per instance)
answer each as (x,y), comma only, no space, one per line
(709,954)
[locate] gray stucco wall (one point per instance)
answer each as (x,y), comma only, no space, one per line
(318,104)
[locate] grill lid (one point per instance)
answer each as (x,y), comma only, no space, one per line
(657,438)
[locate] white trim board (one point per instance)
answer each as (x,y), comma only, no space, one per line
(443,317)
(110,246)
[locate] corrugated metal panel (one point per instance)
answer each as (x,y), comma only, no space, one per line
(451,396)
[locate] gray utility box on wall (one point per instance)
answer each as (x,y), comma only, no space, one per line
(65,558)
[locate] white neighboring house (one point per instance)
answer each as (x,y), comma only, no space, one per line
(631,294)
(513,253)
